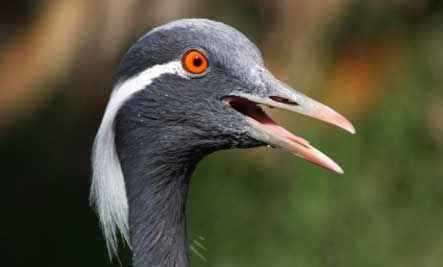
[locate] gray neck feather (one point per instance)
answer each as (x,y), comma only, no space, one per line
(156,180)
(157,219)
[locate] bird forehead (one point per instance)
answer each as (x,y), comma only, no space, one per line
(223,41)
(224,45)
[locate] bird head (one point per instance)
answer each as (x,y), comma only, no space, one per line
(183,90)
(204,83)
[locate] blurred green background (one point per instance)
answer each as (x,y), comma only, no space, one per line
(380,63)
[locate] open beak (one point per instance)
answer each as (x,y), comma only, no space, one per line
(276,94)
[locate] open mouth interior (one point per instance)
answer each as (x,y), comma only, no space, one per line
(271,133)
(254,111)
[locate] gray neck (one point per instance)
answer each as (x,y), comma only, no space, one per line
(157,216)
(157,198)
(156,178)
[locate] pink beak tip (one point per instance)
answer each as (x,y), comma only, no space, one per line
(342,122)
(339,170)
(350,128)
(331,165)
(331,116)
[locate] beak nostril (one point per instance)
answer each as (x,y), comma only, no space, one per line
(284,100)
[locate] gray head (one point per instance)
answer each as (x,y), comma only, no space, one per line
(194,102)
(161,103)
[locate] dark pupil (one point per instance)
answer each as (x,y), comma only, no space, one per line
(197,61)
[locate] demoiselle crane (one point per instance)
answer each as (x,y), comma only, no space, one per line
(184,90)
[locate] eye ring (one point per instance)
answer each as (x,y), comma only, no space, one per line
(195,62)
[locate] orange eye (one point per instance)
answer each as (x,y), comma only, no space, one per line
(195,62)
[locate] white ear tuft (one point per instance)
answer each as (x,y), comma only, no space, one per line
(108,192)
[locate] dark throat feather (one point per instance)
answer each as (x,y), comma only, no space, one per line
(156,187)
(156,168)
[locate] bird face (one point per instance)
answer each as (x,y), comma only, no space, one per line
(204,83)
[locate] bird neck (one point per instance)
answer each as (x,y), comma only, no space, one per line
(157,178)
